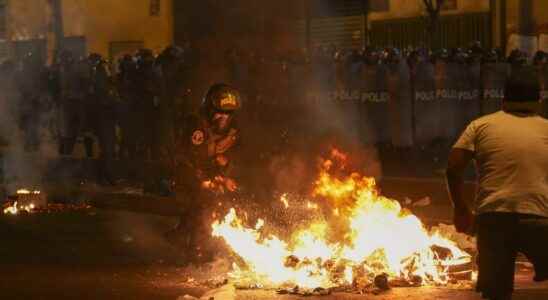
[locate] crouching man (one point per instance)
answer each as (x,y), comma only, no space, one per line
(510,148)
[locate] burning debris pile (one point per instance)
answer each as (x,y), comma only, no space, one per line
(363,243)
(27,202)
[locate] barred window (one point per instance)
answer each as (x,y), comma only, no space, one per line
(155,7)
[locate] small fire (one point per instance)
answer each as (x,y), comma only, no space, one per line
(311,205)
(284,200)
(27,192)
(365,236)
(15,208)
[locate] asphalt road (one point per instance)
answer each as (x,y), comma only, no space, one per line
(107,254)
(89,255)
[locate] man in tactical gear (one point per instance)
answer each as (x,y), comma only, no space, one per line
(73,79)
(517,58)
(127,106)
(102,115)
(149,91)
(204,167)
(32,83)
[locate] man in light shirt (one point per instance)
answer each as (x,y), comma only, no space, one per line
(510,213)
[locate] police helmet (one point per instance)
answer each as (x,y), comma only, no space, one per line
(490,57)
(393,55)
(172,52)
(517,57)
(144,57)
(220,98)
(95,59)
(540,58)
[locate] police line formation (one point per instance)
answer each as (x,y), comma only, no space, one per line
(405,98)
(423,97)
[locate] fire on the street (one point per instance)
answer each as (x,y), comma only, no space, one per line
(27,201)
(17,207)
(362,238)
(14,209)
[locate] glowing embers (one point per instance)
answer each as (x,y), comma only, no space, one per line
(362,236)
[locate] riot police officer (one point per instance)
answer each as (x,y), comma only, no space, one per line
(74,79)
(127,106)
(517,58)
(32,82)
(149,90)
(205,167)
(102,115)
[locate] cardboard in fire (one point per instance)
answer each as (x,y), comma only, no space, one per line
(493,79)
(400,104)
(375,128)
(426,106)
(447,76)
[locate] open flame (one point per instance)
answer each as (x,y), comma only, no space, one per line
(364,235)
(17,207)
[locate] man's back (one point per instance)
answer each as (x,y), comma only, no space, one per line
(511,151)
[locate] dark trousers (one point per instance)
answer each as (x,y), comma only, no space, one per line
(74,122)
(500,237)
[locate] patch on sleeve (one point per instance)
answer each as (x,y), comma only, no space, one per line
(198,137)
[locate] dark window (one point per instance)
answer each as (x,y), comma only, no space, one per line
(155,7)
(449,5)
(379,5)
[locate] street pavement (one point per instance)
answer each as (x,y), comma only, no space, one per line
(115,254)
(525,290)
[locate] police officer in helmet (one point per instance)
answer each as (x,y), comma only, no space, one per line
(205,168)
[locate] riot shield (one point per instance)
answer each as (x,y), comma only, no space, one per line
(493,79)
(448,77)
(543,74)
(469,95)
(374,102)
(400,104)
(426,108)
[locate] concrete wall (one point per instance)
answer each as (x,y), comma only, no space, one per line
(99,21)
(105,21)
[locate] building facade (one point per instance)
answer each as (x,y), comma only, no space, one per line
(400,23)
(110,28)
